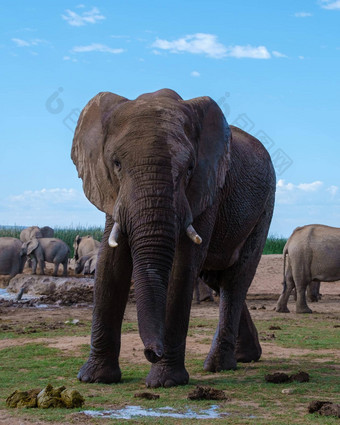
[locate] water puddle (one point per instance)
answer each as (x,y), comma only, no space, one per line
(8,296)
(131,412)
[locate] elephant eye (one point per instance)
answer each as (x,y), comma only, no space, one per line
(190,170)
(117,165)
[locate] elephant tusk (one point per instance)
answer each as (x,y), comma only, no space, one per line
(193,235)
(114,235)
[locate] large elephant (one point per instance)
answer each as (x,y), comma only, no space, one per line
(313,254)
(36,232)
(85,245)
(11,262)
(183,193)
(52,250)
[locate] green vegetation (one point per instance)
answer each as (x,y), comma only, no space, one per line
(252,400)
(274,244)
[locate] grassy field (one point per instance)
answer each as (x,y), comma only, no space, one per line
(252,400)
(274,244)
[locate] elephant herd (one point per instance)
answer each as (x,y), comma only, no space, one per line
(38,245)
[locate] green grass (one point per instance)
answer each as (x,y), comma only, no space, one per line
(36,364)
(274,244)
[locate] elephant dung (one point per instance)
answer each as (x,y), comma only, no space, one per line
(50,397)
(26,399)
(72,398)
(207,393)
(324,408)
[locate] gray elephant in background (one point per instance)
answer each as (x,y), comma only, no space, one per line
(86,264)
(85,245)
(36,232)
(313,257)
(11,260)
(51,250)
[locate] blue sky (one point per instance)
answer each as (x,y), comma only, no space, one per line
(273,67)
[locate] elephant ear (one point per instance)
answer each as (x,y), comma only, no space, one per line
(32,245)
(87,150)
(212,135)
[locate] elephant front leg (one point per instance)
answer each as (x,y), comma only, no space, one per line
(112,285)
(222,352)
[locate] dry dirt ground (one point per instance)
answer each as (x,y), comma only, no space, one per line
(261,300)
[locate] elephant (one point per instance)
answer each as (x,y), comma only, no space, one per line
(36,232)
(84,245)
(313,253)
(11,262)
(86,263)
(52,250)
(183,192)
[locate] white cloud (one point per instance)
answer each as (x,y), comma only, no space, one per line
(302,14)
(310,187)
(208,44)
(89,17)
(28,43)
(278,54)
(330,4)
(333,190)
(304,203)
(195,74)
(197,44)
(54,207)
(315,192)
(301,58)
(96,47)
(21,43)
(248,51)
(56,196)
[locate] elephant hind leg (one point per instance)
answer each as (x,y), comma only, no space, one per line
(55,271)
(65,263)
(301,302)
(288,286)
(248,348)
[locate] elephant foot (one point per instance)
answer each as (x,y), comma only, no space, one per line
(303,310)
(217,362)
(162,375)
(99,370)
(247,354)
(280,309)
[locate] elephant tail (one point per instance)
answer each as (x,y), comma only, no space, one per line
(285,252)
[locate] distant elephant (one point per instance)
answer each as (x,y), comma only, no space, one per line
(182,192)
(11,260)
(84,245)
(86,264)
(51,250)
(36,232)
(313,253)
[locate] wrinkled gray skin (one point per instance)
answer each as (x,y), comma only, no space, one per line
(52,250)
(84,245)
(86,264)
(11,262)
(36,232)
(155,166)
(312,255)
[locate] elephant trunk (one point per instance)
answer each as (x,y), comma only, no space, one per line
(152,244)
